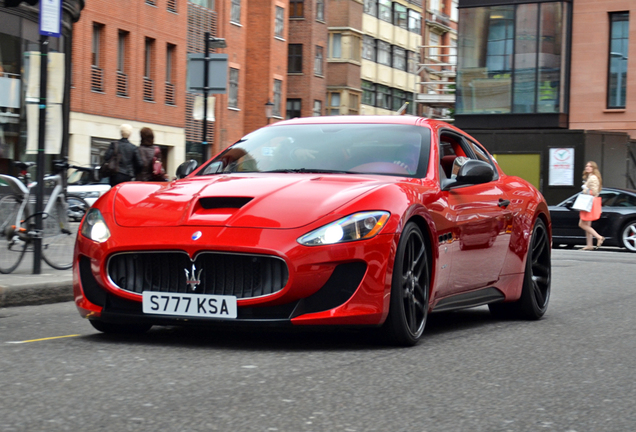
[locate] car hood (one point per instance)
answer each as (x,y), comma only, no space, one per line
(258,201)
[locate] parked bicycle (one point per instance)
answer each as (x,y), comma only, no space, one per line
(18,219)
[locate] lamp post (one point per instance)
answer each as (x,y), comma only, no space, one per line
(269,108)
(210,42)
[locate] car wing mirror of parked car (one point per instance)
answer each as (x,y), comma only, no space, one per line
(186,168)
(472,172)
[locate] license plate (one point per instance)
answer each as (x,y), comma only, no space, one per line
(190,305)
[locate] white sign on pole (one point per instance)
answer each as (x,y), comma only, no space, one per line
(197,111)
(561,167)
(50,17)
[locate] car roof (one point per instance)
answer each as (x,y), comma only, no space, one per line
(370,119)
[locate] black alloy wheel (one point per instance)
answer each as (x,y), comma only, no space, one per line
(535,293)
(409,289)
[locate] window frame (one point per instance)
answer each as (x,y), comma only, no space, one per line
(296,8)
(235,12)
(319,61)
(621,80)
(233,88)
(279,22)
(294,59)
(293,109)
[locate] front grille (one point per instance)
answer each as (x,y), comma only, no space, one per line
(243,276)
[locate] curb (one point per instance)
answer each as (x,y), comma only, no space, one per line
(30,294)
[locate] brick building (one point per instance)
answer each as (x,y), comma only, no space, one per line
(127,68)
(546,78)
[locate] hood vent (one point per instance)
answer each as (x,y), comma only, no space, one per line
(211,203)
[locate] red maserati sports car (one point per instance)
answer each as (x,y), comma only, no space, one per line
(349,221)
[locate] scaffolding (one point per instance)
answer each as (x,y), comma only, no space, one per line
(436,90)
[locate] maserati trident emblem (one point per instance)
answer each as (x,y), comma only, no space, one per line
(197,235)
(193,279)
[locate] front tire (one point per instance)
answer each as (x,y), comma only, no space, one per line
(535,293)
(410,286)
(628,236)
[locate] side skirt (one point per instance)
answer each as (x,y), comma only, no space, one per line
(470,299)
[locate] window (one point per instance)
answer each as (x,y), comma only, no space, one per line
(354,104)
(368,93)
(170,50)
(434,5)
(295,58)
(122,38)
(170,87)
(296,8)
(278,97)
(454,15)
(97,44)
(371,7)
(279,25)
(452,58)
(399,58)
(412,59)
(368,48)
(171,5)
(148,54)
(617,76)
(320,10)
(293,108)
(384,10)
(97,73)
(335,45)
(317,108)
(122,77)
(398,98)
(333,107)
(399,16)
(383,96)
(318,61)
(232,97)
(235,13)
(415,22)
(384,53)
(204,3)
(433,42)
(149,90)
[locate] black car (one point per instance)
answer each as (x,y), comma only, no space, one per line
(617,223)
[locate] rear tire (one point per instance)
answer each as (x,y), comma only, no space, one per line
(410,286)
(112,328)
(11,247)
(628,236)
(535,293)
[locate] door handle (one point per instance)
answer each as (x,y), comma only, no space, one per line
(503,202)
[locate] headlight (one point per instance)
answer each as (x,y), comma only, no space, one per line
(358,226)
(94,226)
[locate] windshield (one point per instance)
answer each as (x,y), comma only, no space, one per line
(339,148)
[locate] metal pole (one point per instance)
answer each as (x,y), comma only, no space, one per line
(39,202)
(204,144)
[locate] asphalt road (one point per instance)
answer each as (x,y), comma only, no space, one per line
(572,371)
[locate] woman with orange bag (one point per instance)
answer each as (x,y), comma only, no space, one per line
(592,184)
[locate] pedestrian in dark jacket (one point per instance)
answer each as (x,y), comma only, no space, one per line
(148,154)
(128,153)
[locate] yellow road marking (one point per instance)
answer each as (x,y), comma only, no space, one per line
(43,339)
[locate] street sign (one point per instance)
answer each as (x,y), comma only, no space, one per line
(50,17)
(217,73)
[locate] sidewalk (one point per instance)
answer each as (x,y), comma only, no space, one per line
(23,288)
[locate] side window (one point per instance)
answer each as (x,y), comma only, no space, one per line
(623,200)
(481,154)
(608,198)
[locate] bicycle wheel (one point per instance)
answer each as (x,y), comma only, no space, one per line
(77,207)
(58,238)
(12,248)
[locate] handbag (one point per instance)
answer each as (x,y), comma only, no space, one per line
(583,202)
(110,167)
(158,173)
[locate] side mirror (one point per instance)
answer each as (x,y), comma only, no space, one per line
(475,172)
(186,168)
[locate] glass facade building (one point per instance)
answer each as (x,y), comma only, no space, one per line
(512,59)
